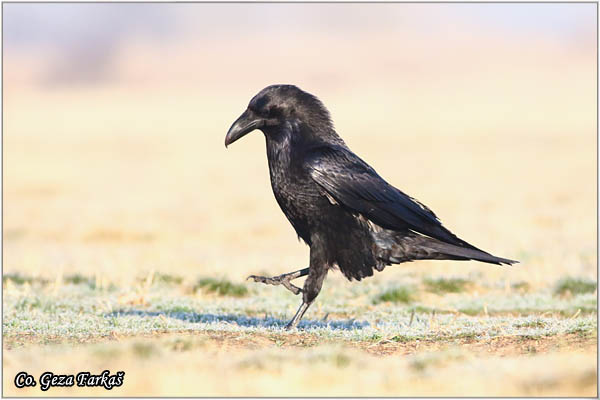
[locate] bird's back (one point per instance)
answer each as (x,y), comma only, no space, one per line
(358,240)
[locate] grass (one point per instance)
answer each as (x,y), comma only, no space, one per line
(19,279)
(77,279)
(430,360)
(75,312)
(168,279)
(575,286)
(397,295)
(531,324)
(144,349)
(446,285)
(332,367)
(221,287)
(523,286)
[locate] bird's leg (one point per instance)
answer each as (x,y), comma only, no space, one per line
(299,314)
(283,279)
(312,287)
(313,284)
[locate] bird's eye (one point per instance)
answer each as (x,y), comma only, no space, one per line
(275,110)
(263,112)
(254,111)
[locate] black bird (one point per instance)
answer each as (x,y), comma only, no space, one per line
(349,216)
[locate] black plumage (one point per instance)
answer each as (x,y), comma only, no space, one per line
(349,216)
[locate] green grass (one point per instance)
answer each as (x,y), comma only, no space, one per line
(341,360)
(179,309)
(144,350)
(582,329)
(78,279)
(78,311)
(471,311)
(181,344)
(575,286)
(168,279)
(397,295)
(19,279)
(222,287)
(446,285)
(524,286)
(28,303)
(422,362)
(426,310)
(402,339)
(530,324)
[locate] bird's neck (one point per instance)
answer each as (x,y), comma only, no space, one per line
(287,144)
(279,151)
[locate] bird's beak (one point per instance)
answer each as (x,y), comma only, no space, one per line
(245,124)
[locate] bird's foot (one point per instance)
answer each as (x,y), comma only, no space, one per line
(278,280)
(290,326)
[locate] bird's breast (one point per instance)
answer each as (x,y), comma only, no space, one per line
(297,196)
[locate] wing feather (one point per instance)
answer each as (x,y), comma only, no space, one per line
(355,185)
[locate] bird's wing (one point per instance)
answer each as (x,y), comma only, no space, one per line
(355,185)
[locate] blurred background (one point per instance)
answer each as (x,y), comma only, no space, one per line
(115,117)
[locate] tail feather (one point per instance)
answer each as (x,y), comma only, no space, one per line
(466,253)
(394,247)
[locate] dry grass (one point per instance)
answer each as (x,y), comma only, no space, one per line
(119,198)
(221,364)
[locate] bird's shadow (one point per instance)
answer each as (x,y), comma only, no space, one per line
(243,320)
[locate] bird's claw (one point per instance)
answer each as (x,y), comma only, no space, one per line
(257,278)
(277,280)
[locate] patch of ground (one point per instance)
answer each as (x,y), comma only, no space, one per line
(241,364)
(347,345)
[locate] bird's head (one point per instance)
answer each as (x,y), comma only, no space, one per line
(279,108)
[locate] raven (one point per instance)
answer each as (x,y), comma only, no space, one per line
(349,216)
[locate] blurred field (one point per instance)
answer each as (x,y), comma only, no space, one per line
(111,186)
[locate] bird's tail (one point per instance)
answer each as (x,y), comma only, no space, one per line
(417,247)
(464,253)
